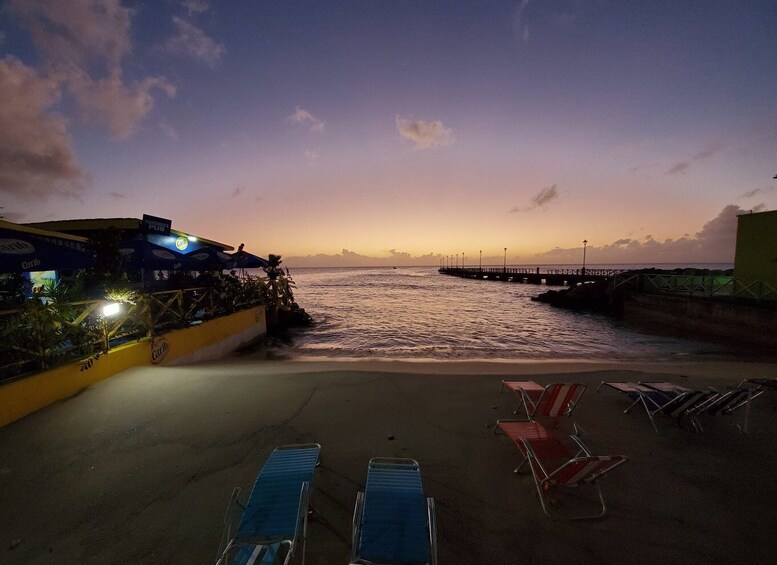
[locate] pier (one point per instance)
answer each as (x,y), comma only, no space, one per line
(532,275)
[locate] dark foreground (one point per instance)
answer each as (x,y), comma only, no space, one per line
(139,468)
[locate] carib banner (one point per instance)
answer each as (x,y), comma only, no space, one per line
(22,252)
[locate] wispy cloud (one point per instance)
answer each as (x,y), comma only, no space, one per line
(303,117)
(312,156)
(191,42)
(539,200)
(520,25)
(425,135)
(751,193)
(168,130)
(195,6)
(117,195)
(679,168)
(708,151)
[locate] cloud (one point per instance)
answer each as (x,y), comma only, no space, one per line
(168,130)
(196,5)
(678,168)
(312,156)
(636,168)
(191,42)
(751,193)
(348,258)
(36,154)
(115,105)
(519,25)
(539,200)
(425,135)
(714,243)
(302,116)
(117,195)
(82,39)
(708,151)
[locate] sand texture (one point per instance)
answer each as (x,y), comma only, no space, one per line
(139,468)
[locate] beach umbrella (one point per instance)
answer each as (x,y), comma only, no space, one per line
(245,260)
(208,259)
(136,255)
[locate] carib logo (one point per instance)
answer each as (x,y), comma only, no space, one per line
(159,348)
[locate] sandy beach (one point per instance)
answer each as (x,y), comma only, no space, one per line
(139,468)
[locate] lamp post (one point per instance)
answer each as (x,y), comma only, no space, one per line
(585,243)
(462,259)
(505,263)
(480,264)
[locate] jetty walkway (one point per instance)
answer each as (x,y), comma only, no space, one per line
(532,275)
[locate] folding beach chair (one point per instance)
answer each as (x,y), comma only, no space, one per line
(393,523)
(660,398)
(556,399)
(274,520)
(554,465)
(722,404)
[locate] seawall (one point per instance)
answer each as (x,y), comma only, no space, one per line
(731,320)
(210,340)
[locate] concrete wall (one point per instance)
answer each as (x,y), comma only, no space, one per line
(729,320)
(209,340)
(756,255)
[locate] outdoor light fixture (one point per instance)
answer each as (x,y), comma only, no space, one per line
(191,238)
(111,309)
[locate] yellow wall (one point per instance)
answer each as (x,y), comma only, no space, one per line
(756,255)
(216,337)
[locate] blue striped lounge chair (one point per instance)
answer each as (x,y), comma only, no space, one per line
(274,520)
(393,523)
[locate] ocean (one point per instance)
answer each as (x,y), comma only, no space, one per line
(417,313)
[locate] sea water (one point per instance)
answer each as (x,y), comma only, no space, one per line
(416,312)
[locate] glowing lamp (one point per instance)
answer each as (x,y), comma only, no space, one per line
(191,238)
(111,309)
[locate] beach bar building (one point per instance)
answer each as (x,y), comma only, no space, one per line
(756,252)
(150,250)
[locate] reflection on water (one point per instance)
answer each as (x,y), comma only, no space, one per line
(418,313)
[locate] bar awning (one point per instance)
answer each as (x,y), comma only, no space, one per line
(245,260)
(25,249)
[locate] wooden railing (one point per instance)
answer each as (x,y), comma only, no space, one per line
(41,335)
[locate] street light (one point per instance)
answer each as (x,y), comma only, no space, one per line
(462,259)
(505,264)
(585,243)
(481,260)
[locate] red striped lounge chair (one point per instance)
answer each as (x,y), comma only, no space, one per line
(553,400)
(553,464)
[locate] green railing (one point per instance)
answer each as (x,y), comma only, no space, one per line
(42,334)
(695,285)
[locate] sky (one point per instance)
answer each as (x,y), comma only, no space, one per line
(398,132)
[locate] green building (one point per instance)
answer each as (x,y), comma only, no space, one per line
(756,254)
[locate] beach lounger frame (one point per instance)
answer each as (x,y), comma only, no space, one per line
(662,398)
(580,468)
(400,475)
(288,471)
(553,400)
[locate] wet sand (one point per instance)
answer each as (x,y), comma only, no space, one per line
(139,468)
